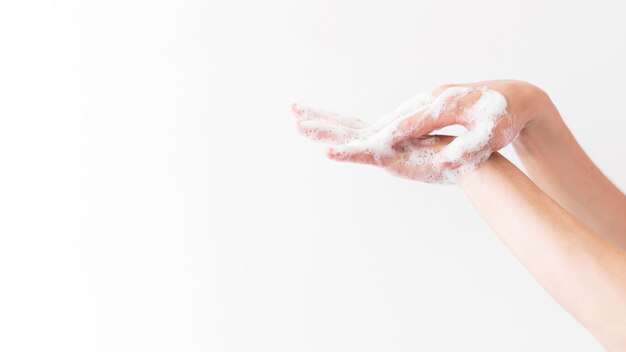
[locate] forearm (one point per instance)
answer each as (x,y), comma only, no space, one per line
(582,271)
(559,166)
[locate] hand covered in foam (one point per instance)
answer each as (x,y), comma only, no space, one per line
(401,141)
(413,158)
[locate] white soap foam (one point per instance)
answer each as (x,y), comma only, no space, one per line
(419,159)
(316,129)
(405,110)
(378,137)
(309,113)
(447,100)
(470,148)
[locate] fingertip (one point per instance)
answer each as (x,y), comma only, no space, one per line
(333,154)
(299,127)
(296,108)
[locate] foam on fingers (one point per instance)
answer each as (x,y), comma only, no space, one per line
(304,112)
(407,109)
(388,142)
(359,157)
(326,132)
(472,148)
(447,100)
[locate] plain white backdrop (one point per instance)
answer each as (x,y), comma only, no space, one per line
(154,195)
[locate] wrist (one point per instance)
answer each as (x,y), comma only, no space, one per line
(474,180)
(544,122)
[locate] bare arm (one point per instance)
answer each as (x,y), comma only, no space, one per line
(560,167)
(584,272)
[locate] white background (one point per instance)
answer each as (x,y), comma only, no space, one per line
(154,194)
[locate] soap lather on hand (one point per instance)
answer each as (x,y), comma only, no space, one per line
(402,142)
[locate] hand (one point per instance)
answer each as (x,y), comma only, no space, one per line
(412,158)
(493,112)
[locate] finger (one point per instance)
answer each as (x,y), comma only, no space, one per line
(407,109)
(488,130)
(419,126)
(419,172)
(451,102)
(435,141)
(416,160)
(353,154)
(476,145)
(303,112)
(326,132)
(445,110)
(470,148)
(449,108)
(503,133)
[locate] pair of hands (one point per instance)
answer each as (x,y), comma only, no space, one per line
(403,143)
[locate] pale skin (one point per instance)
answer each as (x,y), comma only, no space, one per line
(565,221)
